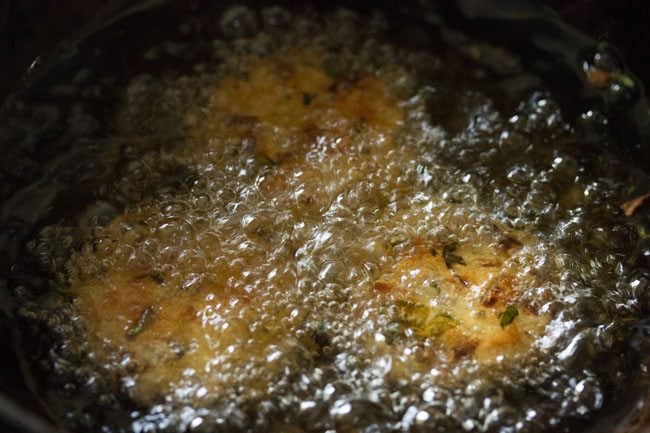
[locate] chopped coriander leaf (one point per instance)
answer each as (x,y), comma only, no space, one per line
(424,321)
(145,320)
(508,316)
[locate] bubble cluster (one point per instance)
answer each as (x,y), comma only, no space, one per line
(204,285)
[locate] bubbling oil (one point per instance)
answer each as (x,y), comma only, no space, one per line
(222,272)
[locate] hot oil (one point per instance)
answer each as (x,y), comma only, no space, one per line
(315,229)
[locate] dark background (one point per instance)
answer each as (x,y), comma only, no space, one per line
(28,27)
(624,23)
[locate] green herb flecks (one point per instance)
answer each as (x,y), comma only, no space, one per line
(624,79)
(423,320)
(145,320)
(508,316)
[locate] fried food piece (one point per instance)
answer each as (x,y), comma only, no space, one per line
(172,316)
(289,105)
(465,296)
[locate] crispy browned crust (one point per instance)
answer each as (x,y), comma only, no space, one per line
(286,105)
(472,287)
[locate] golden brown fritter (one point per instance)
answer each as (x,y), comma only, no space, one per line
(288,106)
(294,106)
(465,295)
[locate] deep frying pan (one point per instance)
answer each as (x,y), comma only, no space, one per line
(546,44)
